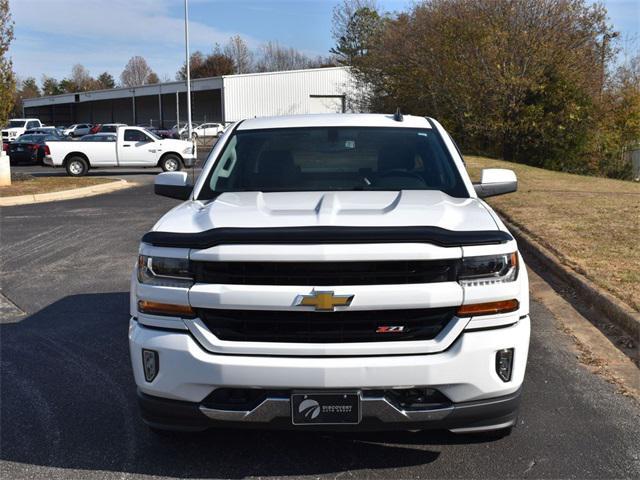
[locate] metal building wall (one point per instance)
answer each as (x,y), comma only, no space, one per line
(281,93)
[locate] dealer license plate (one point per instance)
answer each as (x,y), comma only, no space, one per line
(337,408)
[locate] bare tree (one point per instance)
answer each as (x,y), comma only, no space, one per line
(238,50)
(136,72)
(81,78)
(274,58)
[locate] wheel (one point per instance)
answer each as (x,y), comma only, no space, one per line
(170,163)
(77,167)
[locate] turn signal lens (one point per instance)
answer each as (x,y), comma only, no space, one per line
(156,308)
(490,308)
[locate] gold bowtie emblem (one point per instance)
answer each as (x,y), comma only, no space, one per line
(323,301)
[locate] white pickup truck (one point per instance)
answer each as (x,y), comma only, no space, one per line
(134,147)
(17,126)
(331,271)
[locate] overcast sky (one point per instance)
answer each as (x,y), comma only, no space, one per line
(53,35)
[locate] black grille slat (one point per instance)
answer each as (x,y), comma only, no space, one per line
(325,273)
(325,327)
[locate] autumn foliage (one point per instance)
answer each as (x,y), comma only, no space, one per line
(525,80)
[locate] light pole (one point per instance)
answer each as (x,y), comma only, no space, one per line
(186,41)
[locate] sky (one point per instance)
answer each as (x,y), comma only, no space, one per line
(53,35)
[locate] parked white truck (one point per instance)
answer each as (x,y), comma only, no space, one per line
(17,126)
(134,147)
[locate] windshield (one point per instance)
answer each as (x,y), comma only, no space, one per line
(16,124)
(334,158)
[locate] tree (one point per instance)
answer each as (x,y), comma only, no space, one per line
(136,72)
(517,79)
(356,23)
(7,78)
(214,64)
(619,120)
(51,86)
(274,58)
(105,80)
(238,50)
(29,88)
(67,86)
(80,79)
(153,78)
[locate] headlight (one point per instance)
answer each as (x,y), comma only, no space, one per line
(489,270)
(188,150)
(164,272)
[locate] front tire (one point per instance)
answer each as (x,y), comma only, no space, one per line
(171,163)
(77,167)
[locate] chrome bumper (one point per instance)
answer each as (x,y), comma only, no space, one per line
(380,408)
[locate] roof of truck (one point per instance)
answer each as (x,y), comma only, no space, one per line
(335,120)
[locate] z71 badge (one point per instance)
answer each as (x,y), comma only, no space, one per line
(390,329)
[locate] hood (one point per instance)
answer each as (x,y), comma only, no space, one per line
(307,209)
(173,143)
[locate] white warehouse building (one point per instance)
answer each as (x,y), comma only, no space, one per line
(217,99)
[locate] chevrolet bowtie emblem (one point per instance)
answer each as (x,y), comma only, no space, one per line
(323,301)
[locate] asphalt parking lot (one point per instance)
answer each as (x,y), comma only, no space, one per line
(68,406)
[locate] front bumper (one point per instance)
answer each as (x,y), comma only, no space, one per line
(377,414)
(465,373)
(189,159)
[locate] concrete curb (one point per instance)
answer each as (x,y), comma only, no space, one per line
(65,194)
(611,307)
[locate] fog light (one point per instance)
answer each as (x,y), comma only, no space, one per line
(151,364)
(504,364)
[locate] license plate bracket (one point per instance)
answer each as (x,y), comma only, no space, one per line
(325,408)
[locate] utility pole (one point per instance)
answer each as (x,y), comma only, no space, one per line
(186,41)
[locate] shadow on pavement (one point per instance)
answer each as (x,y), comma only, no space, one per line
(68,401)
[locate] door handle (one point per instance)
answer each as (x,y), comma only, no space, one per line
(126,146)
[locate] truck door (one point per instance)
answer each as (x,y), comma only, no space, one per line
(137,149)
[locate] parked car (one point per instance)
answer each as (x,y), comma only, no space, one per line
(47,131)
(182,128)
(163,132)
(134,147)
(78,130)
(331,271)
(99,137)
(29,148)
(208,130)
(17,126)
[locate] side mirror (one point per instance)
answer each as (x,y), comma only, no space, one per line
(496,181)
(172,185)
